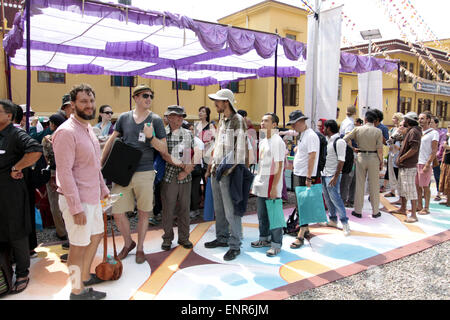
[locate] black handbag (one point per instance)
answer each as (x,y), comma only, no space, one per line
(121,163)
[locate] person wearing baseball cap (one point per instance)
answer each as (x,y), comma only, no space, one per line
(407,160)
(66,108)
(228,219)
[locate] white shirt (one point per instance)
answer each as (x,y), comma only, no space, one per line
(428,137)
(347,125)
(333,158)
(270,151)
(309,142)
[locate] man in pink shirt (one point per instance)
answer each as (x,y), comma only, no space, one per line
(81,186)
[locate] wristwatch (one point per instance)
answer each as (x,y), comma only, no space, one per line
(13,169)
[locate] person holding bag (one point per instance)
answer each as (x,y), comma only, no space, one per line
(268,185)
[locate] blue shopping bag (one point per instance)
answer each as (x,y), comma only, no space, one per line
(38,218)
(310,204)
(208,209)
(275,213)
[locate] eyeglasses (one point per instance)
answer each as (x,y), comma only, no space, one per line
(146,96)
(108,112)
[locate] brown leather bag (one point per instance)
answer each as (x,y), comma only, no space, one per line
(109,269)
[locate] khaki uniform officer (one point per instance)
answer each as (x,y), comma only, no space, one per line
(369,162)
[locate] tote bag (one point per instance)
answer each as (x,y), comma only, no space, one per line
(275,213)
(310,204)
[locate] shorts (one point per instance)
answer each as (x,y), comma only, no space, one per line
(81,235)
(139,191)
(423,179)
(406,183)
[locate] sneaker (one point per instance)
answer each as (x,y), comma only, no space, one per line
(272,252)
(152,221)
(65,245)
(260,244)
(346,229)
(186,244)
(166,245)
(231,254)
(332,224)
(64,257)
(215,244)
(92,280)
(88,294)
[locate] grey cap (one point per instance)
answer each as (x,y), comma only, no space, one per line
(295,116)
(224,94)
(412,116)
(179,110)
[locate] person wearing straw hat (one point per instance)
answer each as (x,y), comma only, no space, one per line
(144,130)
(230,148)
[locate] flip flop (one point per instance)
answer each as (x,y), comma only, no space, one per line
(389,195)
(410,220)
(424,212)
(18,283)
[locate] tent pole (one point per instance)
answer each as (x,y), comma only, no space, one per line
(282,103)
(398,87)
(28,31)
(315,62)
(131,104)
(176,84)
(275,79)
(8,76)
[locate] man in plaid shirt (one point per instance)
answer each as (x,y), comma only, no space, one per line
(176,184)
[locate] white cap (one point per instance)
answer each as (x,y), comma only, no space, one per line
(224,94)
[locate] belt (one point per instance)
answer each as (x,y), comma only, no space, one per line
(367,151)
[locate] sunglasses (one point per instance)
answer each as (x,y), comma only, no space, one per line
(146,96)
(108,112)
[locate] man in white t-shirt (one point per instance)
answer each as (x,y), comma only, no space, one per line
(427,153)
(349,122)
(268,182)
(306,161)
(332,174)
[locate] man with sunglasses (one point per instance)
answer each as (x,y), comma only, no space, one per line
(144,130)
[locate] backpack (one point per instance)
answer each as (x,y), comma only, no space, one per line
(349,157)
(292,226)
(322,153)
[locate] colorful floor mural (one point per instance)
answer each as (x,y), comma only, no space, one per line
(202,274)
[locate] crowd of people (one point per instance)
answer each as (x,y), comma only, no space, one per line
(180,158)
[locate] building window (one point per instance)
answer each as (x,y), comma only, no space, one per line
(120,81)
(182,86)
(403,77)
(425,73)
(291,36)
(424,105)
(405,105)
(290,88)
(237,86)
(411,69)
(51,77)
(340,89)
(441,110)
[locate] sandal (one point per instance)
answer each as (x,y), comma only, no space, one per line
(389,195)
(424,212)
(411,220)
(18,284)
(437,198)
(297,244)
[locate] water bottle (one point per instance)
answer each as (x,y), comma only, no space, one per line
(108,202)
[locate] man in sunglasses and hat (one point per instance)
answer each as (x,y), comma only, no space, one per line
(136,128)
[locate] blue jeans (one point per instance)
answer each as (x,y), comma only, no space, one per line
(333,199)
(265,234)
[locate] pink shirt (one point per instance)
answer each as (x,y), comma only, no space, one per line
(78,170)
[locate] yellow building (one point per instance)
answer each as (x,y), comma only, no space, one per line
(255,96)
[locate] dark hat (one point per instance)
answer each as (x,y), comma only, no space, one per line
(179,110)
(295,116)
(65,100)
(57,119)
(141,88)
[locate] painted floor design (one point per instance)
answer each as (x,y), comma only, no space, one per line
(201,274)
